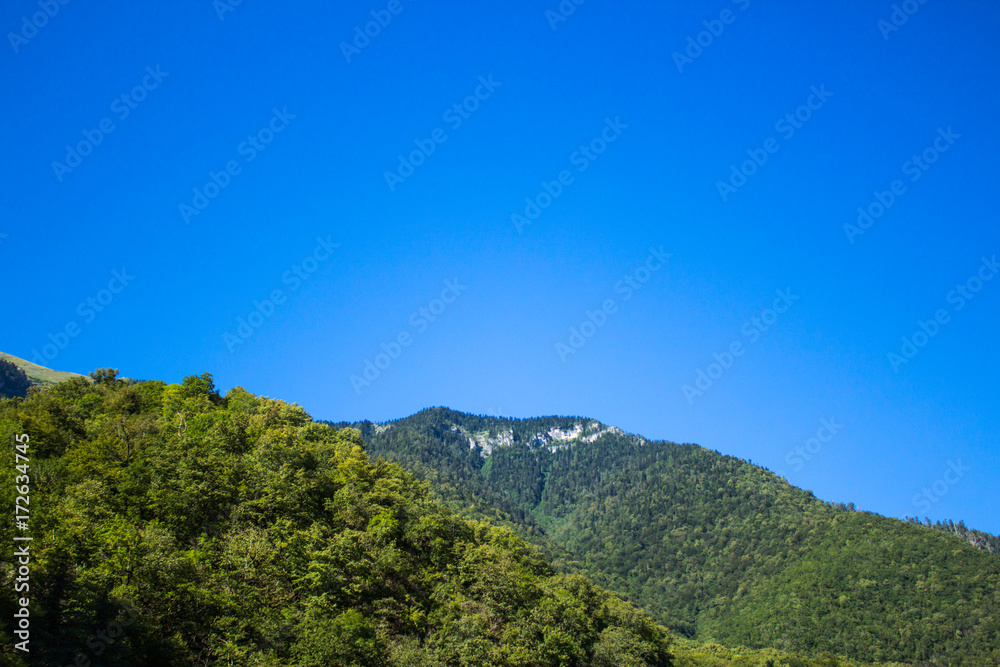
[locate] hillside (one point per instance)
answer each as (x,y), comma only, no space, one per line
(713,547)
(175,526)
(40,376)
(976,538)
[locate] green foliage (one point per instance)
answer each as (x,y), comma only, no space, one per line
(714,547)
(187,528)
(105,376)
(976,538)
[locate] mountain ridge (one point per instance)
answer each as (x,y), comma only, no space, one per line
(975,537)
(713,546)
(237,530)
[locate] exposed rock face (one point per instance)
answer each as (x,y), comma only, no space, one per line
(553,439)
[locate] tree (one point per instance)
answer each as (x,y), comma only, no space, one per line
(105,376)
(201,385)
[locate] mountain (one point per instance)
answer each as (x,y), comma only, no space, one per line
(171,525)
(40,376)
(174,526)
(715,548)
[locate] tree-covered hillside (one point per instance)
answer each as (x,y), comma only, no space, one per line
(976,538)
(713,546)
(174,526)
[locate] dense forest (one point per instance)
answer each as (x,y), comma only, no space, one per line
(172,526)
(715,548)
(175,526)
(976,538)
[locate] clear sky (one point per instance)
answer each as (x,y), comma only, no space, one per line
(267,158)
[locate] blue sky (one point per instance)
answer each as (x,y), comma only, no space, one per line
(231,160)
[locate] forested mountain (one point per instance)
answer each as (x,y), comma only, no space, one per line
(174,526)
(712,546)
(976,538)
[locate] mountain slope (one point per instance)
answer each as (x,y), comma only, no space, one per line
(712,546)
(174,526)
(976,538)
(40,376)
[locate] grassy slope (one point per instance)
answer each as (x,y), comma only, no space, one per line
(39,375)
